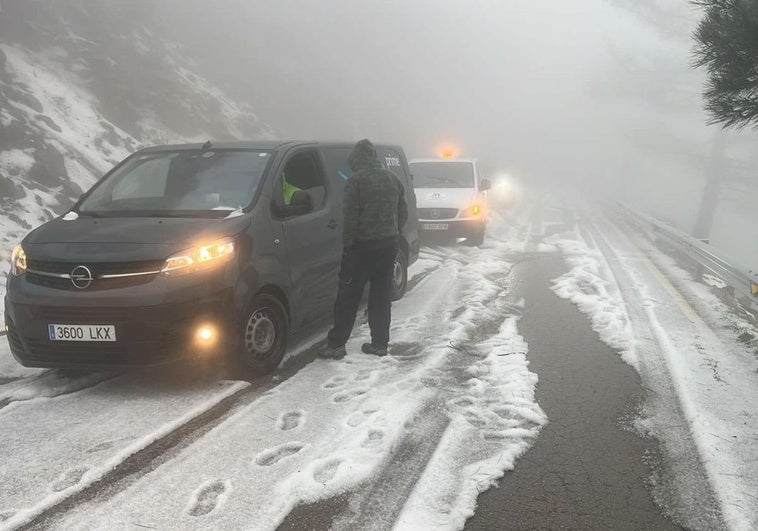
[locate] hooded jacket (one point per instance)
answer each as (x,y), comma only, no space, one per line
(374,208)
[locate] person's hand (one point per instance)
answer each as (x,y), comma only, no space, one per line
(347,266)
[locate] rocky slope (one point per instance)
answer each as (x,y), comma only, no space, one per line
(82,84)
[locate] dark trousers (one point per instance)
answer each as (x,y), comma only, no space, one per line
(359,266)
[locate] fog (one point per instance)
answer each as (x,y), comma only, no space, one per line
(522,86)
(572,97)
(582,95)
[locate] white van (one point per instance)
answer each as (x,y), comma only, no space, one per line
(451,198)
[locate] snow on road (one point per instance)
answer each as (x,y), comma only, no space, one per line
(60,434)
(334,425)
(712,373)
(586,285)
(497,407)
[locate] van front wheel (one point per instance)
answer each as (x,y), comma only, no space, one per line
(477,238)
(265,329)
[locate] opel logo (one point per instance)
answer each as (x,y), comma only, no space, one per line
(435,213)
(81,277)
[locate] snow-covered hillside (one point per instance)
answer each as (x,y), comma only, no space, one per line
(82,84)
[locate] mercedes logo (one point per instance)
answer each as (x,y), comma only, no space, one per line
(435,213)
(81,277)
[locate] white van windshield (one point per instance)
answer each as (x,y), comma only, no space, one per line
(187,183)
(442,174)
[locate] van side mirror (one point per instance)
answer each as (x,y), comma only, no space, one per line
(485,185)
(300,204)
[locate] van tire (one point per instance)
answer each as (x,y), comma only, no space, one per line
(476,239)
(400,276)
(263,334)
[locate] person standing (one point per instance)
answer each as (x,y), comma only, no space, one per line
(374,213)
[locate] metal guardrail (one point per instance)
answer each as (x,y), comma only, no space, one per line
(742,280)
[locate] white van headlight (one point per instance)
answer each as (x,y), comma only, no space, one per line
(472,211)
(200,257)
(18,260)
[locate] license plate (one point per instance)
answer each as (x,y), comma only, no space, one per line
(67,332)
(434,226)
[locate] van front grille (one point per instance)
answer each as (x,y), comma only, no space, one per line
(437,213)
(39,272)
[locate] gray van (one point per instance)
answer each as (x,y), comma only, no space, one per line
(188,248)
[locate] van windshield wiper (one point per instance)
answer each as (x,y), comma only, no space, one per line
(187,214)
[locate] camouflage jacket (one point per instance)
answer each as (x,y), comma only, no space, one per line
(373,206)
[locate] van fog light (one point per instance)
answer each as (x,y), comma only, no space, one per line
(206,335)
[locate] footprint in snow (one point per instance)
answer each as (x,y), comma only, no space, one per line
(515,415)
(206,499)
(494,436)
(325,471)
(100,447)
(410,383)
(350,394)
(290,420)
(105,445)
(359,417)
(362,376)
(335,382)
(373,439)
(69,478)
(273,455)
(406,351)
(430,382)
(464,402)
(474,419)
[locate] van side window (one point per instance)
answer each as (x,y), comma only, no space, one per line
(302,172)
(339,169)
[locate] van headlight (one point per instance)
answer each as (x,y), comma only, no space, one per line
(472,211)
(18,260)
(200,258)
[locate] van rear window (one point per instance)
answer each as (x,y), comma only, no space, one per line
(442,174)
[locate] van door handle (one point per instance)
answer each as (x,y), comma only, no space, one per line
(332,224)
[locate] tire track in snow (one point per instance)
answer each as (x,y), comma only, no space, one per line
(248,426)
(683,470)
(164,449)
(51,384)
(377,504)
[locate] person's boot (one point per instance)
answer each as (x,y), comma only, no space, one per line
(370,348)
(332,353)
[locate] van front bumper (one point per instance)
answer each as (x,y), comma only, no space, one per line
(148,331)
(454,228)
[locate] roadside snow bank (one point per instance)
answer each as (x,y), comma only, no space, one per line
(694,356)
(712,355)
(591,286)
(492,423)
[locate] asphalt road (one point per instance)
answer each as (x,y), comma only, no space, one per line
(587,469)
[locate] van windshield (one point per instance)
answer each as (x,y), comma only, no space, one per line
(442,174)
(195,183)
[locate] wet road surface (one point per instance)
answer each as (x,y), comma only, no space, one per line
(587,469)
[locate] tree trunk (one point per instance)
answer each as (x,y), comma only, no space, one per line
(712,189)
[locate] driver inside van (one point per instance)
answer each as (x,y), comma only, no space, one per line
(288,189)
